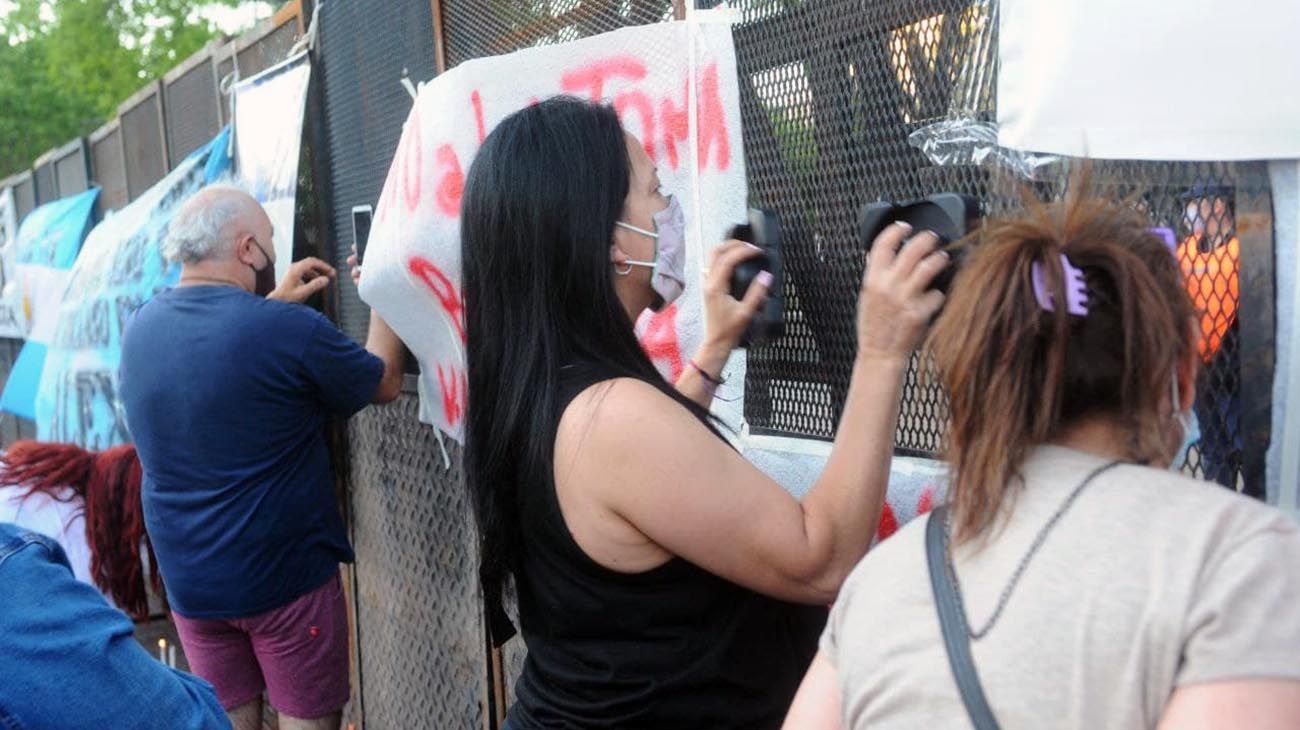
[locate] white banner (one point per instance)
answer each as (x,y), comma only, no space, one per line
(13,322)
(675,87)
(268,138)
(1150,79)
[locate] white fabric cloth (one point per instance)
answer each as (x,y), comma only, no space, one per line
(1150,79)
(677,90)
(57,520)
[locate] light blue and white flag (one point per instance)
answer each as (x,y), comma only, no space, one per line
(48,242)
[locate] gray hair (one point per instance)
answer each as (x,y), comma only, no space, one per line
(199,230)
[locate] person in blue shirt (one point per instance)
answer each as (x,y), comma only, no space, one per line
(71,661)
(228,382)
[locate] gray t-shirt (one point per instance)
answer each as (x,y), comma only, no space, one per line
(1150,581)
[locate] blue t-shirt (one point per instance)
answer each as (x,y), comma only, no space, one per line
(226,397)
(71,661)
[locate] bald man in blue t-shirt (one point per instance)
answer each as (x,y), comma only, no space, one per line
(228,382)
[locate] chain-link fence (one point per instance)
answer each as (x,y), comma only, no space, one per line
(420,634)
(364,55)
(420,643)
(832,95)
(268,44)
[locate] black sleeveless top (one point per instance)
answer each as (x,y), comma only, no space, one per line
(671,648)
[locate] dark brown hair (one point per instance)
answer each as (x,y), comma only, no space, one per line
(1017,375)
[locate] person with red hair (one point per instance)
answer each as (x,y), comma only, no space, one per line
(89,502)
(75,661)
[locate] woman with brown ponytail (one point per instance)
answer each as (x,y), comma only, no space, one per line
(1090,586)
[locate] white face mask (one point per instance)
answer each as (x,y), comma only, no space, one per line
(1186,421)
(669,265)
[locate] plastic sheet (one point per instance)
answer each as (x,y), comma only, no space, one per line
(969,141)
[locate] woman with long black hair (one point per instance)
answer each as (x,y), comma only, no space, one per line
(663,581)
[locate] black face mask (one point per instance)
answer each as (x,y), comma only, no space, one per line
(265,283)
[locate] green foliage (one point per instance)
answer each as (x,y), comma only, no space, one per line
(69,63)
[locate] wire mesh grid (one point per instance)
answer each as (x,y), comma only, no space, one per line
(24,195)
(145,148)
(109,170)
(47,184)
(474,28)
(71,171)
(419,625)
(9,431)
(831,93)
(268,50)
(365,56)
(193,113)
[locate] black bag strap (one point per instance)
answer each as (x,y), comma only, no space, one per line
(952,621)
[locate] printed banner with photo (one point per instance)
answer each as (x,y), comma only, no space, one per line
(654,76)
(13,322)
(48,242)
(121,266)
(268,138)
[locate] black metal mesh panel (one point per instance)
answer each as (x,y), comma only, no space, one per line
(827,111)
(193,117)
(24,197)
(830,93)
(109,170)
(364,54)
(9,349)
(71,172)
(419,626)
(47,185)
(142,134)
(475,28)
(271,48)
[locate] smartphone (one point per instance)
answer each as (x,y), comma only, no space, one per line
(361,215)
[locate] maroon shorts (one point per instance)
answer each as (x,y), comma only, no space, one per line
(298,653)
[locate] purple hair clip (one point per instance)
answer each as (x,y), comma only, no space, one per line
(1076,291)
(1166,235)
